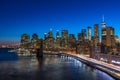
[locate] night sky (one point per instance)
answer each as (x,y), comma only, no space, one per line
(38,16)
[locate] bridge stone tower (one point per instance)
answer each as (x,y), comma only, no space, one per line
(39,49)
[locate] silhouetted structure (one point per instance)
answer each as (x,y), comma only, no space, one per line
(39,51)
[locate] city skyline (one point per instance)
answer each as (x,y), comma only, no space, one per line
(59,40)
(18,17)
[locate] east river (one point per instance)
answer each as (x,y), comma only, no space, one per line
(50,67)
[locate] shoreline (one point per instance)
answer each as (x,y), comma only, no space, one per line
(109,71)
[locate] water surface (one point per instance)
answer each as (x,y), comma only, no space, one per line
(50,67)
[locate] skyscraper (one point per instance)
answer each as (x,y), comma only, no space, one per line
(83,34)
(108,36)
(34,36)
(45,36)
(34,41)
(57,34)
(57,40)
(49,41)
(108,39)
(104,31)
(50,34)
(96,35)
(116,39)
(79,37)
(72,41)
(64,40)
(64,34)
(25,41)
(89,33)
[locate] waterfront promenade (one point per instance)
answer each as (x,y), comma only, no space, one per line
(111,69)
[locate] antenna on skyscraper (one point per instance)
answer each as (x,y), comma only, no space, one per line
(103,18)
(50,29)
(103,22)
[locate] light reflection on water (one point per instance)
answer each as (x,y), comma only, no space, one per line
(50,67)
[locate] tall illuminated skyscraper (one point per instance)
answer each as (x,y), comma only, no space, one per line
(65,34)
(49,41)
(89,33)
(83,34)
(96,34)
(64,40)
(108,36)
(79,37)
(104,31)
(72,41)
(57,40)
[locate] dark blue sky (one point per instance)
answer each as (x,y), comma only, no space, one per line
(38,16)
